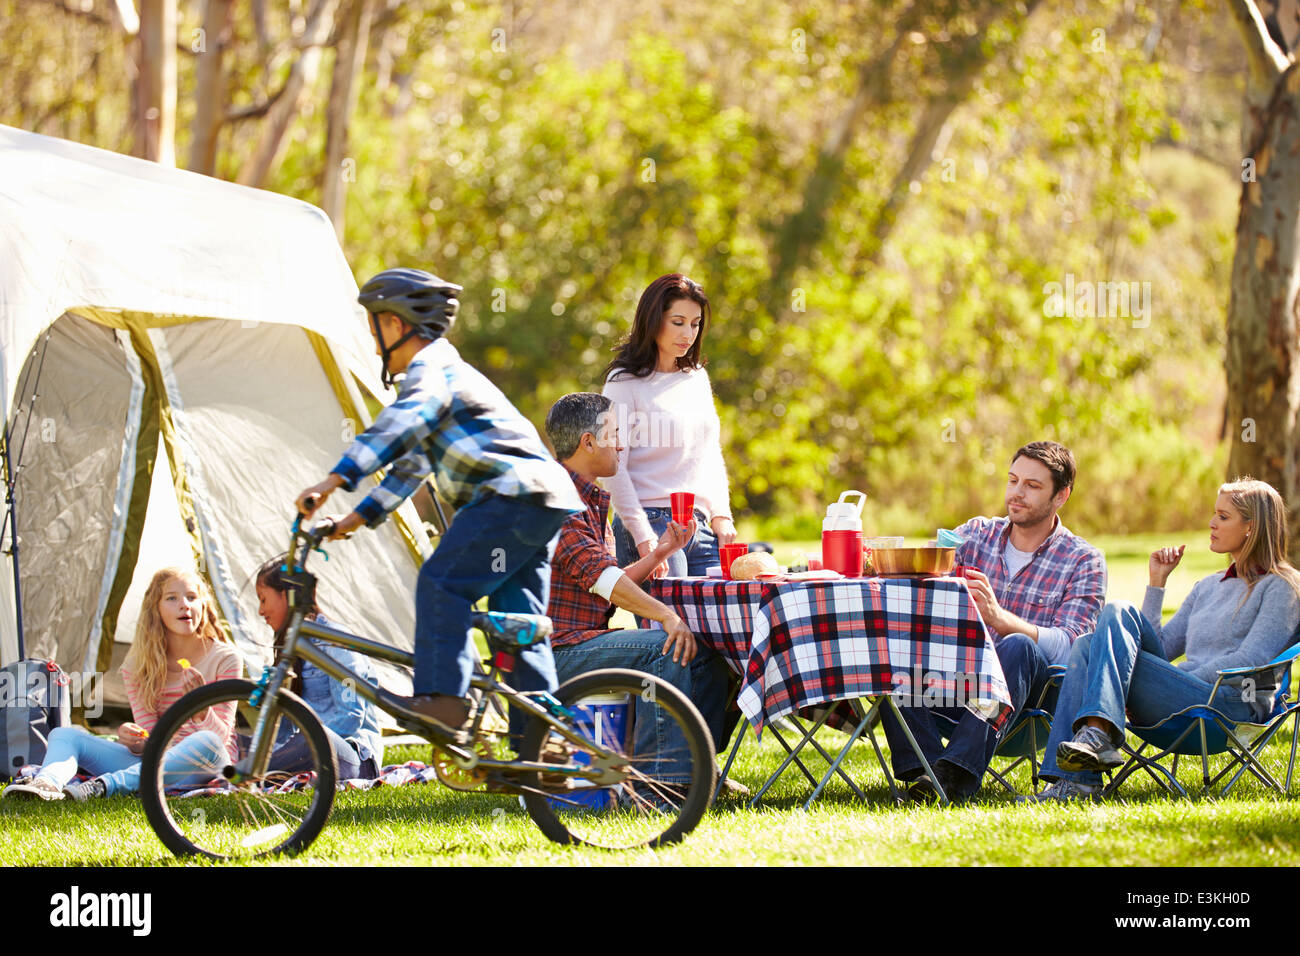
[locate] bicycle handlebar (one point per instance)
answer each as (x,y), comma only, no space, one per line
(302,542)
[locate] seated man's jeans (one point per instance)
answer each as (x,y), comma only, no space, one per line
(194,760)
(705,681)
(694,560)
(1121,666)
(496,547)
(971,741)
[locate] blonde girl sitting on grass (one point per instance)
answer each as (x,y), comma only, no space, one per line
(178,647)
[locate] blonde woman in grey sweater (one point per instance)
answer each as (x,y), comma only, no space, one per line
(1243,617)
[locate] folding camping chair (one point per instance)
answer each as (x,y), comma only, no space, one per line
(1203,731)
(1028,735)
(1024,739)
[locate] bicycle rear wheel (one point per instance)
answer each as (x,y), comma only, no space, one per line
(668,774)
(252,817)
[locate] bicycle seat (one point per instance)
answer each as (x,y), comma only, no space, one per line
(510,630)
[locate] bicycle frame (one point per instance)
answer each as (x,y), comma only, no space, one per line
(600,771)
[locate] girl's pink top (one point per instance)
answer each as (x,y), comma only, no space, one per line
(219,663)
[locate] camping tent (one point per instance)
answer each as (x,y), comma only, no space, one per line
(151,316)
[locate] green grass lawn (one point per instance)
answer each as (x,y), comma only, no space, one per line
(427,824)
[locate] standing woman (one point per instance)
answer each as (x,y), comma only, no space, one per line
(670,430)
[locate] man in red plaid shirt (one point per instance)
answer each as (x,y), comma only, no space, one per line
(586,581)
(1038,588)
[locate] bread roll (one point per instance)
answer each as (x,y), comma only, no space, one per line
(749,566)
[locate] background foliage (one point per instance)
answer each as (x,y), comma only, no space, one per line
(554,158)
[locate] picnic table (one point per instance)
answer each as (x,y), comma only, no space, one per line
(857,643)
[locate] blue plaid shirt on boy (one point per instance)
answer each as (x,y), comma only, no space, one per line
(1063,585)
(451,422)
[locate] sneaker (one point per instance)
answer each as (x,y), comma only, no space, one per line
(89,789)
(1090,750)
(1065,791)
(446,712)
(37,788)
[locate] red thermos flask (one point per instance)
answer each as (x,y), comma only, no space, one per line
(842,535)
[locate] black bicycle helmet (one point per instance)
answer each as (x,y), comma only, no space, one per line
(420,299)
(425,302)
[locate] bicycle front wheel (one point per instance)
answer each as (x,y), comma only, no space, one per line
(667,767)
(276,812)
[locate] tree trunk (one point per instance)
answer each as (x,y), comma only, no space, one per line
(966,67)
(155,82)
(1263,355)
(210,87)
(1263,324)
(302,75)
(348,63)
(802,231)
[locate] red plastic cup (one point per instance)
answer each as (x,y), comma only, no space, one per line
(729,553)
(814,564)
(683,506)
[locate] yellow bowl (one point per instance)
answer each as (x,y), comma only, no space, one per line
(913,560)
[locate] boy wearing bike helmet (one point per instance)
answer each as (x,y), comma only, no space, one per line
(487,461)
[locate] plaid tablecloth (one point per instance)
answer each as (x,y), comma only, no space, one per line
(801,644)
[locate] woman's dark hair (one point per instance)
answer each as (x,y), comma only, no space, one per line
(639,353)
(268,576)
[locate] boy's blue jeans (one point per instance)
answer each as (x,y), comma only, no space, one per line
(1121,666)
(496,547)
(196,759)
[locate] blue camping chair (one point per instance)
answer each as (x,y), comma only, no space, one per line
(1027,737)
(1203,731)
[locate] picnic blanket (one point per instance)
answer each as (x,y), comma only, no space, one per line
(392,775)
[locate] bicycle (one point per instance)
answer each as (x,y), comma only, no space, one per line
(587,772)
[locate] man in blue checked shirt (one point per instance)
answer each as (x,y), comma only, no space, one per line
(1038,588)
(487,460)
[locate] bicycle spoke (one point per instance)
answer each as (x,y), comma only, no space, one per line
(254,817)
(643,808)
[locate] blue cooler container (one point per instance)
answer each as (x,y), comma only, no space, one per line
(605,719)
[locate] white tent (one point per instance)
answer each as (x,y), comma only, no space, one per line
(154,316)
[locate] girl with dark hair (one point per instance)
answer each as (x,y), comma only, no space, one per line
(351,722)
(670,430)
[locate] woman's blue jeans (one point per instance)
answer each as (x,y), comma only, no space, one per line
(694,560)
(195,760)
(1121,666)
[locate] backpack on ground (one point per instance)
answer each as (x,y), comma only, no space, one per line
(34,699)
